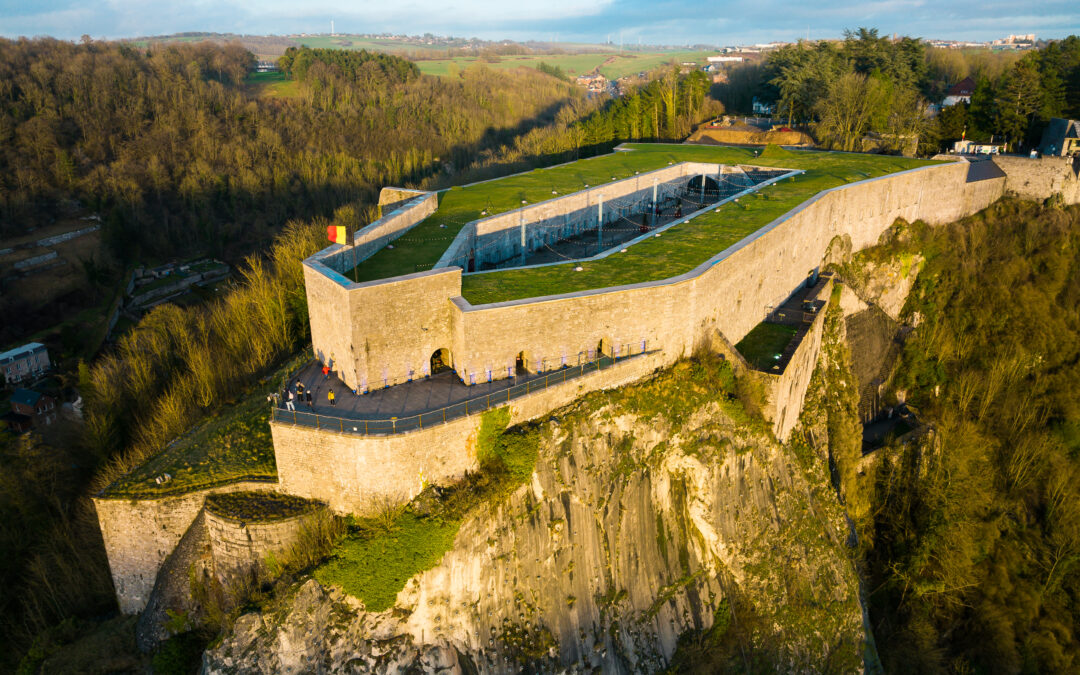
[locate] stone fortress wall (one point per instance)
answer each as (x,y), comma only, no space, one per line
(408,208)
(398,323)
(384,331)
(351,472)
(1039,178)
(785,392)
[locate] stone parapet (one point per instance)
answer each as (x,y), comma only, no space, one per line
(352,474)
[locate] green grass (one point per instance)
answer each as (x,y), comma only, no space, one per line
(375,569)
(273,85)
(765,343)
(679,250)
(249,506)
(352,42)
(572,64)
(378,556)
(231,445)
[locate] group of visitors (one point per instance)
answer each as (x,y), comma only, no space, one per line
(298,393)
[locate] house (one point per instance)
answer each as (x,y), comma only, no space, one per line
(30,360)
(960,92)
(40,408)
(1061,138)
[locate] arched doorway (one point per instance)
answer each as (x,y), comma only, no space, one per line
(521,364)
(440,361)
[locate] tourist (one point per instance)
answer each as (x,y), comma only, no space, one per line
(299,388)
(308,395)
(289,402)
(325,373)
(678,210)
(330,395)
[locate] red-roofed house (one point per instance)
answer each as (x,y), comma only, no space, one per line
(960,92)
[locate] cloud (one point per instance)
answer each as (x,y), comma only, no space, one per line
(663,22)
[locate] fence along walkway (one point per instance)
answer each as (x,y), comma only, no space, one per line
(397,425)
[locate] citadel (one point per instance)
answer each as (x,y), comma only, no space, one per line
(485,296)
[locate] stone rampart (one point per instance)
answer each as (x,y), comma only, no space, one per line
(1039,178)
(732,292)
(239,547)
(139,534)
(351,472)
(385,331)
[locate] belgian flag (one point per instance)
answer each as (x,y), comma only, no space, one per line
(336,234)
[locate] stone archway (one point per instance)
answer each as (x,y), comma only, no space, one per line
(441,361)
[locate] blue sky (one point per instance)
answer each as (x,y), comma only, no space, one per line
(658,22)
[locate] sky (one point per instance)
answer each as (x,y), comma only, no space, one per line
(668,22)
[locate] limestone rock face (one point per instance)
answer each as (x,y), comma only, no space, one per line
(636,525)
(887,284)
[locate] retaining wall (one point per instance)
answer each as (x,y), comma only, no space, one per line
(351,472)
(139,534)
(238,547)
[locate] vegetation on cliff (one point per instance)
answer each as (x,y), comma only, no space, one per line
(972,545)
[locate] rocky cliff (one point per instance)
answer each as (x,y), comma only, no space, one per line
(655,512)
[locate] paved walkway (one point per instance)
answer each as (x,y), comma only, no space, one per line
(401,400)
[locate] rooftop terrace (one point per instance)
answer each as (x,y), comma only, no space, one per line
(680,249)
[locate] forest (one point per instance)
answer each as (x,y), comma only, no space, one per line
(176,153)
(872,84)
(972,544)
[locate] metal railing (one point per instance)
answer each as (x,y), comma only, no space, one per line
(396,425)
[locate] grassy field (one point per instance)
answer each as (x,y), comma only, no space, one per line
(572,64)
(611,64)
(233,444)
(763,345)
(679,250)
(273,85)
(353,42)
